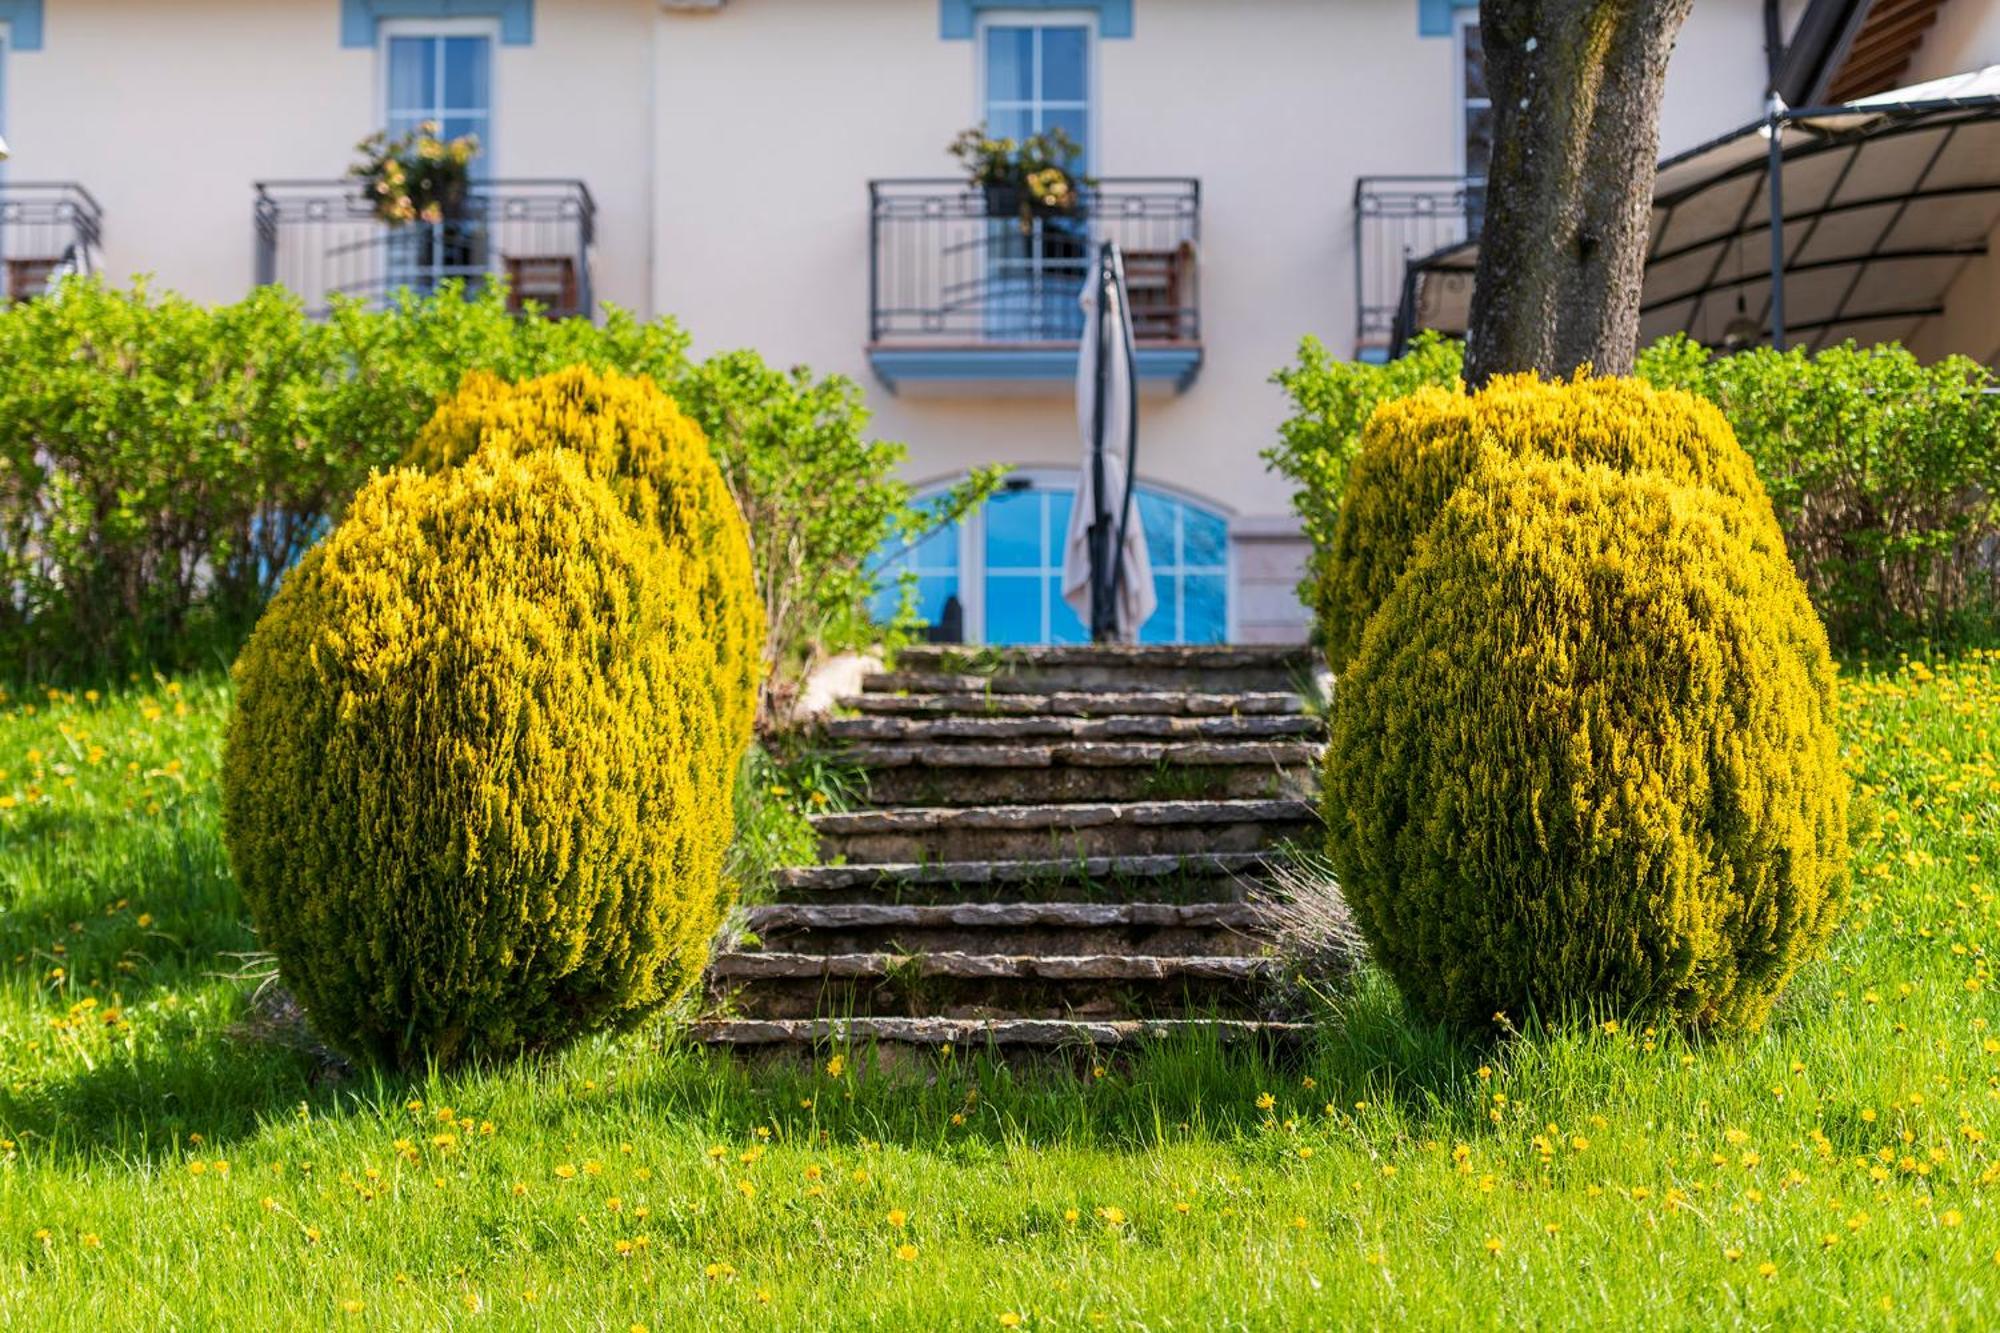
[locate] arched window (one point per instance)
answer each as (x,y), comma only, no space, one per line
(1001,571)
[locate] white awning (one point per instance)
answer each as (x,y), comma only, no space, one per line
(1885,200)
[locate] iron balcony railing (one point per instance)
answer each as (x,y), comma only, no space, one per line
(46,228)
(949,266)
(1398,219)
(322,239)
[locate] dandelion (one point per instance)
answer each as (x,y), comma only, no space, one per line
(1951,1217)
(1493,1245)
(1767,1269)
(897,1217)
(1265,1101)
(1299,1222)
(746,1189)
(836,1066)
(565,1172)
(352,1307)
(906,1252)
(1009,1319)
(1114,1217)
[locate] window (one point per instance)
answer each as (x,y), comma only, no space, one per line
(1475,118)
(934,561)
(1189,549)
(1005,569)
(1022,589)
(1034,76)
(442,76)
(1037,77)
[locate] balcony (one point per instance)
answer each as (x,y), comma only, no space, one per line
(962,298)
(46,228)
(1398,219)
(322,240)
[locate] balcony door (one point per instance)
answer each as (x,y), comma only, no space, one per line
(1036,74)
(997,577)
(443,75)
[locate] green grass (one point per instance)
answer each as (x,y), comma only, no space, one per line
(1598,1175)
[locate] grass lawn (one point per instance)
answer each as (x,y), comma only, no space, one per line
(163,1167)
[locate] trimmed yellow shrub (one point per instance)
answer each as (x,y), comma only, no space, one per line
(1586,755)
(472,786)
(632,436)
(1416,451)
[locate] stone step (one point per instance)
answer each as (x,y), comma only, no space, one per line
(979,1034)
(1216,668)
(1192,877)
(1044,832)
(982,703)
(1013,772)
(970,985)
(976,730)
(1141,928)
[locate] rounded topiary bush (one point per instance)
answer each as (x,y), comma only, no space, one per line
(471,785)
(1415,452)
(1586,755)
(635,438)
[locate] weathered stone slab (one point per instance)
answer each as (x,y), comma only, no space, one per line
(1051,831)
(1020,1032)
(978,702)
(1159,727)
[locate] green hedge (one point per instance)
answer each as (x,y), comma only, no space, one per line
(163,463)
(1884,473)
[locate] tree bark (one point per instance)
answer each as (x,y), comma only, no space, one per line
(1576,90)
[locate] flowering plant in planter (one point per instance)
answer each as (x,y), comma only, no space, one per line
(1027,178)
(416,176)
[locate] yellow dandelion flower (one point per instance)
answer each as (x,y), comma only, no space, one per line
(1265,1101)
(1493,1245)
(897,1217)
(906,1252)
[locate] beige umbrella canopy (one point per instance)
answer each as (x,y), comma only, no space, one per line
(1105,419)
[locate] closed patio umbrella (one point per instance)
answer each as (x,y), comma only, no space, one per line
(1101,521)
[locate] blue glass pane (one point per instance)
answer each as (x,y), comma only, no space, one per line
(465,73)
(1065,626)
(1013,608)
(932,592)
(1159,627)
(412,74)
(1060,503)
(1065,65)
(937,551)
(1010,64)
(1014,530)
(1205,608)
(1204,538)
(1016,124)
(1156,512)
(1075,122)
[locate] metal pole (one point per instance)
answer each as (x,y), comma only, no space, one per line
(1775,126)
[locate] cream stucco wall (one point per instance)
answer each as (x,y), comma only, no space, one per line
(168,112)
(783,109)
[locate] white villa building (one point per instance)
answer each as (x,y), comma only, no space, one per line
(773,173)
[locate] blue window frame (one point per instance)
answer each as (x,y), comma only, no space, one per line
(1022,578)
(1010,556)
(1035,75)
(442,77)
(934,563)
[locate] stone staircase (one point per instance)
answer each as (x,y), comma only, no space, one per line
(1063,846)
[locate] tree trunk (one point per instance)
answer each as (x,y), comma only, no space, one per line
(1576,135)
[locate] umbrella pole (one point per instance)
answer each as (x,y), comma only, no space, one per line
(1103,621)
